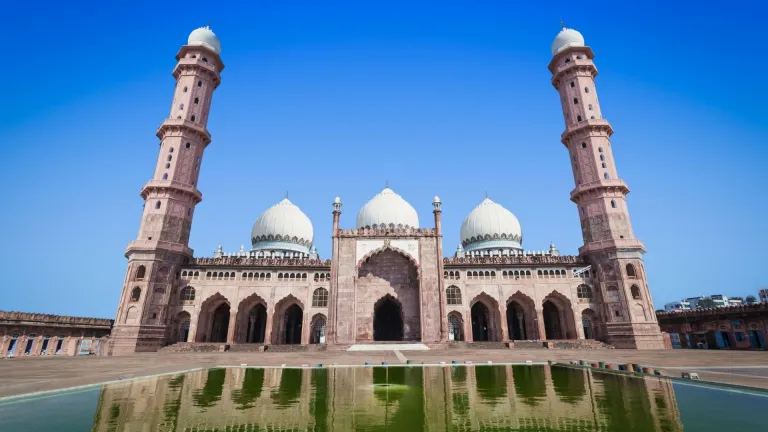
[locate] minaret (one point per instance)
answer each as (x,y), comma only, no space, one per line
(610,247)
(170,197)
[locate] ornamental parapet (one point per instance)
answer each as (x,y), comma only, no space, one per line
(172,184)
(260,262)
(387,232)
(753,309)
(512,260)
(30,318)
(617,185)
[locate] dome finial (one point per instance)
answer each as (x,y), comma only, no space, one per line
(286,194)
(486,194)
(386,184)
(562,24)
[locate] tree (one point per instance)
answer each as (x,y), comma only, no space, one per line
(706,303)
(751,299)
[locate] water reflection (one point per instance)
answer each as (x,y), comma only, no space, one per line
(451,398)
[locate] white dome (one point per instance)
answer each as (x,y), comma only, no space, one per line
(387,209)
(283,227)
(491,226)
(205,37)
(565,39)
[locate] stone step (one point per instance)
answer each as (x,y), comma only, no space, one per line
(389,347)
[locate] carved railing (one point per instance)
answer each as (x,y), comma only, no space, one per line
(515,260)
(382,232)
(261,262)
(53,319)
(760,308)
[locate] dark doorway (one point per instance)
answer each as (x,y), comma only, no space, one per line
(220,323)
(480,322)
(387,321)
(293,318)
(516,321)
(257,324)
(183,331)
(552,321)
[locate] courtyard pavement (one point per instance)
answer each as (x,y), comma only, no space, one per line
(35,374)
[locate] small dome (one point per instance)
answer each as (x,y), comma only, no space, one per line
(283,227)
(387,209)
(565,39)
(436,200)
(205,37)
(491,226)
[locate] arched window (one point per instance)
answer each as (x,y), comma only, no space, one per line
(157,205)
(170,150)
(575,101)
(613,204)
(539,272)
(187,293)
(602,157)
(635,292)
(631,271)
(185,89)
(167,166)
(141,272)
(165,176)
(603,165)
(193,118)
(320,298)
(600,149)
(170,158)
(607,177)
(584,292)
(135,294)
(181,106)
(572,84)
(205,59)
(453,295)
(590,107)
(578,118)
(583,145)
(586,89)
(188,145)
(197,101)
(199,83)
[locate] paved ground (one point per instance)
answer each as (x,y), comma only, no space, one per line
(26,375)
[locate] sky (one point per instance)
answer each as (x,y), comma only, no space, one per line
(319,99)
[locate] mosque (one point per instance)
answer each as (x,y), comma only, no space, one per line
(387,278)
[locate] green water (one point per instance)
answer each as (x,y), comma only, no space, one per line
(402,399)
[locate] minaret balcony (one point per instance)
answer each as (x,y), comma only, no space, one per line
(174,185)
(597,186)
(632,244)
(179,126)
(601,126)
(149,246)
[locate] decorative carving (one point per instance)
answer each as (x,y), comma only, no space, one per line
(543,259)
(262,262)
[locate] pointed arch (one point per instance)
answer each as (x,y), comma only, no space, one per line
(205,320)
(521,317)
(317,329)
(288,321)
(244,324)
(589,322)
(455,326)
(559,322)
(370,254)
(486,318)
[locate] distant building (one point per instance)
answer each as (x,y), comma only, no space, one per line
(763,293)
(25,334)
(731,327)
(677,306)
(735,301)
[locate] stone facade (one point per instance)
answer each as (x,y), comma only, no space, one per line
(25,334)
(387,280)
(733,327)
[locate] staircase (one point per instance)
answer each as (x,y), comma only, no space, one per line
(193,347)
(478,345)
(398,346)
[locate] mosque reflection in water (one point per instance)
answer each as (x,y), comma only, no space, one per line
(451,398)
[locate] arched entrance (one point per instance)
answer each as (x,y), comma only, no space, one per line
(387,320)
(181,327)
(480,322)
(220,323)
(588,322)
(317,335)
(552,325)
(293,321)
(516,321)
(257,324)
(455,327)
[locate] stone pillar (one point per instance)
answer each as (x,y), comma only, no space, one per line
(231,327)
(193,326)
(306,326)
(268,329)
(505,335)
(540,324)
(330,325)
(437,205)
(521,325)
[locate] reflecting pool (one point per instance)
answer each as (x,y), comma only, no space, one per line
(403,399)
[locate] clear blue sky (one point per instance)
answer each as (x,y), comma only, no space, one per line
(333,98)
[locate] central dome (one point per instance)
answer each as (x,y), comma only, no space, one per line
(491,226)
(283,227)
(387,210)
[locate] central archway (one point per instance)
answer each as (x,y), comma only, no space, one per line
(220,323)
(387,320)
(516,321)
(480,322)
(293,322)
(552,326)
(257,324)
